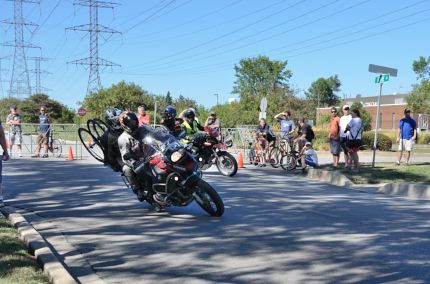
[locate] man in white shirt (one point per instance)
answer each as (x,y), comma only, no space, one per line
(344,133)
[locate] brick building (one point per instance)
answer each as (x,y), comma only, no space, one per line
(390,111)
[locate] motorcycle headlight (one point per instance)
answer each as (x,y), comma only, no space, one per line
(176,156)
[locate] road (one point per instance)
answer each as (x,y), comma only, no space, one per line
(277,228)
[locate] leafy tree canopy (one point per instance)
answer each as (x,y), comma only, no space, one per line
(322,92)
(419,99)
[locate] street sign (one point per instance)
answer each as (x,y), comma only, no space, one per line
(382,70)
(382,78)
(82,111)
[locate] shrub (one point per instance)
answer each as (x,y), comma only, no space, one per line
(424,137)
(384,142)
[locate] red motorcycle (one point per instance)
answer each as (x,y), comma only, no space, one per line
(212,150)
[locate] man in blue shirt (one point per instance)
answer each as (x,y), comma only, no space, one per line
(43,130)
(406,135)
(286,123)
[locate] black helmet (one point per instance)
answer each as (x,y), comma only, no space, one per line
(169,113)
(129,121)
(190,114)
(112,118)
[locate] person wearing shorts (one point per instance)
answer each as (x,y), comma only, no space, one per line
(406,135)
(333,136)
(344,133)
(43,133)
(14,121)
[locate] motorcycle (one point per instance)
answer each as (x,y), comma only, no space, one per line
(172,173)
(227,139)
(211,151)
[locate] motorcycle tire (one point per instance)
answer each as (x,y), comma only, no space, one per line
(226,164)
(91,144)
(208,199)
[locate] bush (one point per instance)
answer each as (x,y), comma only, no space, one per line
(384,142)
(424,137)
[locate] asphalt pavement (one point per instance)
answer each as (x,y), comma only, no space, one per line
(277,228)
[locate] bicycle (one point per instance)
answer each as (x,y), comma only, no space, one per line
(91,138)
(54,145)
(291,157)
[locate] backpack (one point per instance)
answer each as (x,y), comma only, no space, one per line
(311,133)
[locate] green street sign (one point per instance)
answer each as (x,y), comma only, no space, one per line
(382,78)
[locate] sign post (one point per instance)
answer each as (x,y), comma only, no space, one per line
(263,107)
(384,76)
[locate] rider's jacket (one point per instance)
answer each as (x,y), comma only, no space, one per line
(132,147)
(191,129)
(173,125)
(109,141)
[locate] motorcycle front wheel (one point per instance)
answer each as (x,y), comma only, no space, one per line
(226,164)
(208,199)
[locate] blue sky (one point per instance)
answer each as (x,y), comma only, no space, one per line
(190,47)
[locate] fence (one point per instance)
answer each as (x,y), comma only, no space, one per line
(67,136)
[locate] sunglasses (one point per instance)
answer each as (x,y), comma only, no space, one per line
(333,112)
(42,110)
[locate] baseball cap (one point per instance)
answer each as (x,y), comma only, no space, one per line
(345,107)
(212,113)
(308,144)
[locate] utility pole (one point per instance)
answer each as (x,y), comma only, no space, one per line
(37,71)
(94,62)
(216,98)
(20,81)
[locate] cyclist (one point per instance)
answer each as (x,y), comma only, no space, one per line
(264,138)
(14,121)
(306,134)
(109,139)
(171,122)
(190,124)
(43,130)
(286,123)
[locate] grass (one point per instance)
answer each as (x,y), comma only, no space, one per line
(16,264)
(388,173)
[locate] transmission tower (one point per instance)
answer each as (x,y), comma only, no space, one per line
(1,77)
(94,62)
(37,72)
(20,80)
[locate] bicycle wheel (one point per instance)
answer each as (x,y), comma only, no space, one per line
(98,127)
(274,155)
(91,144)
(288,162)
(57,148)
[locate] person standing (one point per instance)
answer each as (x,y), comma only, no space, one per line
(406,135)
(344,133)
(333,136)
(43,137)
(14,121)
(3,157)
(355,127)
(142,116)
(286,123)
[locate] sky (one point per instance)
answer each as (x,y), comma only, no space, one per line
(190,47)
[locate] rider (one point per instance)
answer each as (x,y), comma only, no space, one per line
(171,122)
(190,124)
(133,153)
(109,139)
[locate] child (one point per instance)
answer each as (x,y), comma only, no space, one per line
(309,156)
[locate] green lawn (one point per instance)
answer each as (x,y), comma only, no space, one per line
(388,173)
(16,264)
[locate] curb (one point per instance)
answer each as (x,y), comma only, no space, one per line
(52,267)
(411,190)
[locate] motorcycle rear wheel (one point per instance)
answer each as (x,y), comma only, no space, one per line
(208,199)
(226,164)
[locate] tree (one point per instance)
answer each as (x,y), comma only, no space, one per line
(322,92)
(419,99)
(260,76)
(29,109)
(168,99)
(122,95)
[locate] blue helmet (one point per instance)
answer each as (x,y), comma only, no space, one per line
(169,112)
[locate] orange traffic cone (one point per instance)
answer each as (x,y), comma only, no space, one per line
(240,162)
(70,155)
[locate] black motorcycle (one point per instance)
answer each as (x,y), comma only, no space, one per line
(212,151)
